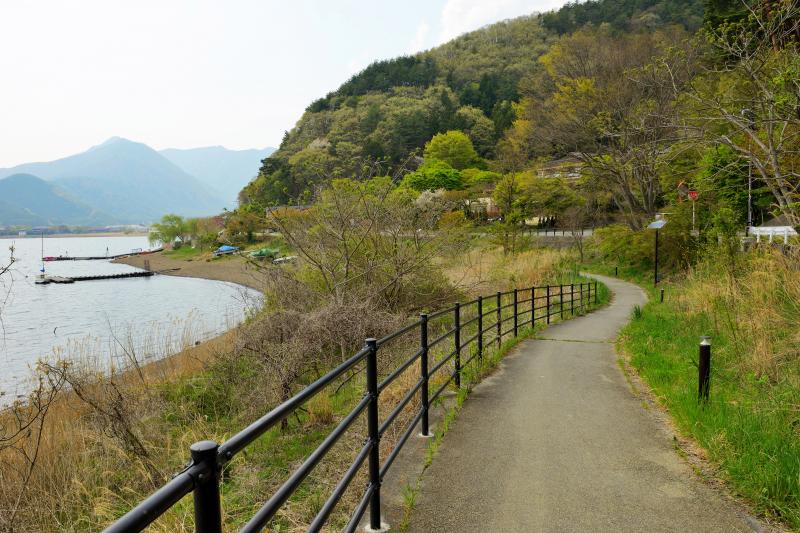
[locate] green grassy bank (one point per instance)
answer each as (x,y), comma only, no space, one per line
(750,427)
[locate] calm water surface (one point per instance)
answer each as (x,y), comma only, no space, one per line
(93,319)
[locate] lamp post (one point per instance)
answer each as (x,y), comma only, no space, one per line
(656,225)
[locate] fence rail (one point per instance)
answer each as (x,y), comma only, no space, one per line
(202,477)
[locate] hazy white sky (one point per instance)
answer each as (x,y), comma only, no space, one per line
(187,73)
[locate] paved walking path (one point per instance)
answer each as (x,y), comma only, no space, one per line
(556,441)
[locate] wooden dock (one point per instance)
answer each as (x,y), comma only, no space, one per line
(62,279)
(85,258)
(99,257)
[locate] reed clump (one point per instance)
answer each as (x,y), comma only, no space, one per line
(749,304)
(755,304)
(486,269)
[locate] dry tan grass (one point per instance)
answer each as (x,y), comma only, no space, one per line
(72,485)
(757,304)
(486,269)
(85,477)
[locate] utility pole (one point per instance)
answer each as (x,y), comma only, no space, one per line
(749,116)
(693,197)
(749,197)
(656,225)
(655,263)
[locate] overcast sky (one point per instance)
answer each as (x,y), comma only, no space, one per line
(187,73)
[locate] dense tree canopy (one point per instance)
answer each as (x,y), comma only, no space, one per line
(629,15)
(454,148)
(627,90)
(434,175)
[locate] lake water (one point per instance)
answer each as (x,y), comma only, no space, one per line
(155,315)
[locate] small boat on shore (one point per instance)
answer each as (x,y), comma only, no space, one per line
(225,250)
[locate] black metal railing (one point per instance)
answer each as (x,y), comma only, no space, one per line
(202,476)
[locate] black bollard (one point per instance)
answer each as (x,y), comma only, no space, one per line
(704,369)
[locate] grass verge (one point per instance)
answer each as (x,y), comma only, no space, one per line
(750,427)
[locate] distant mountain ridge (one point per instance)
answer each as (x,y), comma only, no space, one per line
(28,200)
(224,170)
(126,182)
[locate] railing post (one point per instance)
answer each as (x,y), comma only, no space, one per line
(499,320)
(533,307)
(582,308)
(548,304)
(704,369)
(423,366)
(589,293)
(374,436)
(457,342)
(207,511)
(480,328)
(561,300)
(515,311)
(596,301)
(571,299)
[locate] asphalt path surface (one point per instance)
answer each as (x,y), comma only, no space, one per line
(556,441)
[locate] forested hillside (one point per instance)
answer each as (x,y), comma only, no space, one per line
(625,15)
(391,109)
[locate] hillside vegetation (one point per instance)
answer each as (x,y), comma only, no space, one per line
(609,114)
(421,178)
(748,305)
(391,109)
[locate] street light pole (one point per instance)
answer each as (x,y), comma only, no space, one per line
(749,197)
(656,225)
(655,273)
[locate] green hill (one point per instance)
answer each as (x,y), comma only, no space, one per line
(392,108)
(625,15)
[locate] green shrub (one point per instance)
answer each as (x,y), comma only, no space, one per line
(619,245)
(434,175)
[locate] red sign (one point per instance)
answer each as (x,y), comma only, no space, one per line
(693,195)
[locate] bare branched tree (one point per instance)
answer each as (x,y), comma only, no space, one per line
(748,96)
(367,256)
(606,104)
(22,426)
(6,281)
(365,240)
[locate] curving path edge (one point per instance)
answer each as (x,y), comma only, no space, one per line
(556,441)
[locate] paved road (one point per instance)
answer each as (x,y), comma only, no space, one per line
(556,441)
